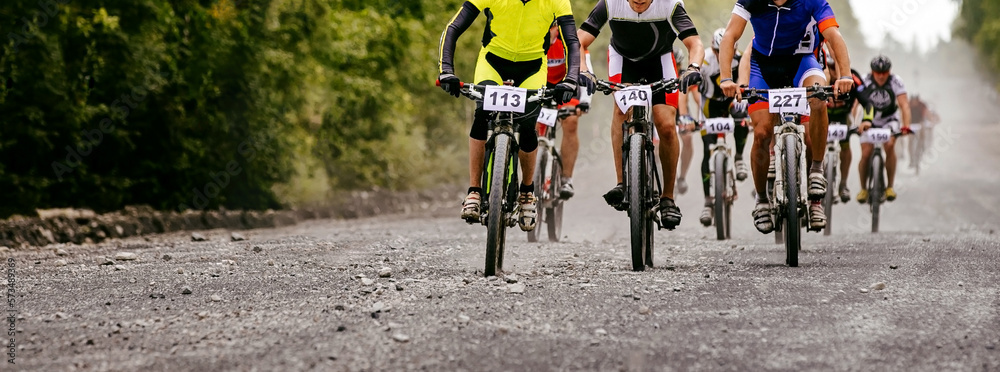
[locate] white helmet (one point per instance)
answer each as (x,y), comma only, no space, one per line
(717,38)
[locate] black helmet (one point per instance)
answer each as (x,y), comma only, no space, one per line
(881,64)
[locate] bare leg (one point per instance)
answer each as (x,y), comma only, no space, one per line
(477,153)
(760,153)
(570,146)
(616,141)
(866,157)
(890,160)
(687,152)
(818,124)
(527,166)
(845,161)
(664,117)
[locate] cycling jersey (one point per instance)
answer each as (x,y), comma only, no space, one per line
(638,36)
(556,62)
(787,29)
(711,71)
(882,99)
(516,31)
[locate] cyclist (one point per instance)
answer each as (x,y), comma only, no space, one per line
(885,96)
(718,105)
(923,115)
(513,49)
(570,146)
(643,33)
(783,57)
(839,111)
(685,125)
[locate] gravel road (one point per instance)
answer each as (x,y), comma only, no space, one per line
(405,292)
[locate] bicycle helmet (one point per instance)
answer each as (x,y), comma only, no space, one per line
(881,64)
(717,38)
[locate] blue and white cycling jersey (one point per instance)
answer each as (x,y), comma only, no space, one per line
(789,29)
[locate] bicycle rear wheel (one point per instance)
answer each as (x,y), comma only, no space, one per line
(496,217)
(831,177)
(720,161)
(541,163)
(878,189)
(553,214)
(637,211)
(791,225)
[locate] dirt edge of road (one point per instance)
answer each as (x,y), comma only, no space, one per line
(80,226)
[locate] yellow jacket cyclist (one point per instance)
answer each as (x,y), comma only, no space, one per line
(514,44)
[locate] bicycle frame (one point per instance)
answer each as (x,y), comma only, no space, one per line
(639,123)
(789,127)
(501,124)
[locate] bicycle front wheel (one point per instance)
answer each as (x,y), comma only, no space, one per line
(721,218)
(541,163)
(553,214)
(878,189)
(791,225)
(831,176)
(496,216)
(637,211)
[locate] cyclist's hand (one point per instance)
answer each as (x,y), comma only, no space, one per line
(864,126)
(587,82)
(583,107)
(687,123)
(730,89)
(906,130)
(843,86)
(691,77)
(565,91)
(450,83)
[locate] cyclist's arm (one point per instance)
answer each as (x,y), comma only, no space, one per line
(567,27)
(823,13)
(590,29)
(461,22)
(744,69)
(904,106)
(734,31)
(687,33)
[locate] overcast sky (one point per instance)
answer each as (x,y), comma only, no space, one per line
(920,24)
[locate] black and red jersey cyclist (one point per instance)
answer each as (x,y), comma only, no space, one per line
(643,34)
(570,147)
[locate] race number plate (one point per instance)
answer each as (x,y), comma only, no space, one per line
(877,136)
(548,117)
(915,127)
(505,99)
(719,125)
(836,133)
(633,96)
(788,101)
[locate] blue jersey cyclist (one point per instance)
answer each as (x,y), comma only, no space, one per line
(783,56)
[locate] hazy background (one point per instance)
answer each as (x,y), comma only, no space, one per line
(277,103)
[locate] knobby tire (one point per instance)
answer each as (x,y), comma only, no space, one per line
(496,219)
(791,225)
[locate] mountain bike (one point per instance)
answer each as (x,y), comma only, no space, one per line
(876,171)
(642,179)
(548,172)
(723,174)
(789,204)
(500,175)
(831,168)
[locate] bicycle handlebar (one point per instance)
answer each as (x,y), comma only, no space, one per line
(665,85)
(475,92)
(817,91)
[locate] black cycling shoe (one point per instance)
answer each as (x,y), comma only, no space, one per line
(616,196)
(670,215)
